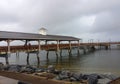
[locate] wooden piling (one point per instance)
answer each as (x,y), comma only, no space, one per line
(47,54)
(8,52)
(38,55)
(28,58)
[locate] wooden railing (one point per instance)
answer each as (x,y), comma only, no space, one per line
(34,47)
(51,46)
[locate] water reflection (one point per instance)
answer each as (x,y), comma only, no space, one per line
(99,61)
(63,61)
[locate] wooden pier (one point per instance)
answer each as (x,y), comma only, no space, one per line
(60,42)
(9,37)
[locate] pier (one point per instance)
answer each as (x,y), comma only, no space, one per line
(9,37)
(60,43)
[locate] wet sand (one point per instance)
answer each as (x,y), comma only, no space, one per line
(29,78)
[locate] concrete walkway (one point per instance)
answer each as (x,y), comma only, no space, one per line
(5,80)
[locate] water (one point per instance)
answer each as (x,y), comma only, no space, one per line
(100,61)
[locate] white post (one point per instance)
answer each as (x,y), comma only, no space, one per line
(58,48)
(8,44)
(39,46)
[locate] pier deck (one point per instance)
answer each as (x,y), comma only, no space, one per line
(21,48)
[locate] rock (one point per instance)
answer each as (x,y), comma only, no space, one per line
(51,69)
(57,78)
(47,75)
(57,72)
(40,70)
(76,76)
(92,79)
(85,77)
(14,68)
(1,66)
(73,79)
(6,67)
(102,76)
(67,73)
(28,69)
(62,77)
(104,81)
(111,77)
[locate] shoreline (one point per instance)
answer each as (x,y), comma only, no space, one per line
(50,75)
(30,79)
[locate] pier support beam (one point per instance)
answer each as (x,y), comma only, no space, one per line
(47,54)
(47,51)
(28,58)
(38,55)
(17,54)
(8,52)
(58,48)
(70,48)
(60,52)
(84,50)
(78,47)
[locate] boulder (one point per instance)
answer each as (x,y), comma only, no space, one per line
(57,72)
(76,76)
(92,79)
(40,70)
(73,79)
(50,69)
(28,69)
(62,77)
(1,66)
(103,81)
(14,68)
(46,75)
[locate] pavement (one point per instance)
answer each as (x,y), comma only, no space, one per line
(6,80)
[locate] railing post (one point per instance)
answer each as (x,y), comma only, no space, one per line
(58,48)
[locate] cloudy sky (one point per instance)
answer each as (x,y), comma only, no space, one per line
(86,19)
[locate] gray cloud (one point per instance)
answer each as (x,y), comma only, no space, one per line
(66,17)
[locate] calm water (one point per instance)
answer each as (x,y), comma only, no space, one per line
(101,61)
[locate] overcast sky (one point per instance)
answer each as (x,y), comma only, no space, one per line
(86,19)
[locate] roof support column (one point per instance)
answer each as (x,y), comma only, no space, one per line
(8,52)
(58,48)
(28,54)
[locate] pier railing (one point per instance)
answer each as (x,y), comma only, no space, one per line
(24,48)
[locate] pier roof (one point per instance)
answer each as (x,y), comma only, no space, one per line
(5,35)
